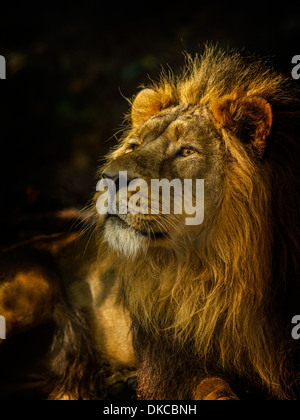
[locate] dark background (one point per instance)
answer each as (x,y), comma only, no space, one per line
(69,68)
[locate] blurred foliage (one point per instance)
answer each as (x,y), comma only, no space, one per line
(70,68)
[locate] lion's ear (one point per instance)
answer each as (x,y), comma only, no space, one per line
(249,117)
(146,103)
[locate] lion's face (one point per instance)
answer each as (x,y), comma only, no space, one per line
(177,144)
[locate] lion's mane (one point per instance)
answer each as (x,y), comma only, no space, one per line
(226,307)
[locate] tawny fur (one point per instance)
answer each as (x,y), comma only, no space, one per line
(229,301)
(213,303)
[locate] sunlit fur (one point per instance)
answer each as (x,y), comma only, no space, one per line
(125,241)
(230,300)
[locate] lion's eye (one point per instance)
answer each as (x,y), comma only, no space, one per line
(132,147)
(186,151)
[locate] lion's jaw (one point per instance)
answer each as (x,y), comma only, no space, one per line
(132,235)
(123,238)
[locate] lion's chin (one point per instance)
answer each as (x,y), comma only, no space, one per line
(123,238)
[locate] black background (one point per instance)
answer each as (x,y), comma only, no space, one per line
(69,67)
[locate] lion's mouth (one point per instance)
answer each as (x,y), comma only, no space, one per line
(149,234)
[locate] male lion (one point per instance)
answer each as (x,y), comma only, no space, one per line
(197,310)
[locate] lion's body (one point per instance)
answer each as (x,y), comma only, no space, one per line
(90,338)
(185,303)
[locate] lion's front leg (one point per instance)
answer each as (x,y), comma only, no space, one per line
(215,389)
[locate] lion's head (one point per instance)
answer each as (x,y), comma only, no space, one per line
(172,146)
(221,283)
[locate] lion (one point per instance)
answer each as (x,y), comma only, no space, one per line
(193,311)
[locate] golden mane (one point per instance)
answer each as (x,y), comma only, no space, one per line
(214,75)
(230,301)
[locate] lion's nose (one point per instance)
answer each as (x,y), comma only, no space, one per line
(121,179)
(112,177)
(109,176)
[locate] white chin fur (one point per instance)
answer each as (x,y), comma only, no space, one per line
(124,240)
